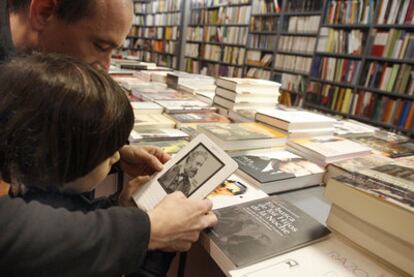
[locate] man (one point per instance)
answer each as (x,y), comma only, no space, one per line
(181,176)
(39,240)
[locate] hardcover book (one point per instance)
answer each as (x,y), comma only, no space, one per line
(279,171)
(239,136)
(258,230)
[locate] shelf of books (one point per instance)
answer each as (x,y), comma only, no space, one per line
(155,34)
(216,37)
(362,68)
(296,42)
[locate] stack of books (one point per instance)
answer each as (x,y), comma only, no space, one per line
(297,124)
(197,118)
(234,94)
(374,208)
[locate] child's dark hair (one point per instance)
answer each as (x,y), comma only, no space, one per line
(59,119)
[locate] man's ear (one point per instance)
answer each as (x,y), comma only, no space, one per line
(41,12)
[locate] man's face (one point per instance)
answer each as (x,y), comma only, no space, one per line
(193,164)
(93,37)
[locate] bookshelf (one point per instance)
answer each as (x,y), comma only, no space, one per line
(363,64)
(216,37)
(156,32)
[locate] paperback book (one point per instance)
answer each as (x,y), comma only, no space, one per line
(279,171)
(258,230)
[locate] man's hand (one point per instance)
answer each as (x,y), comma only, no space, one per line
(176,222)
(125,197)
(144,160)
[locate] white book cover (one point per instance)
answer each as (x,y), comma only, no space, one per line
(328,258)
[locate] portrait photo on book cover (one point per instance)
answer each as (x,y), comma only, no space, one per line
(191,172)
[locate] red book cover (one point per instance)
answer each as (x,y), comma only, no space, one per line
(410,12)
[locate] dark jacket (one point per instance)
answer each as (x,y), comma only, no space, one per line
(39,240)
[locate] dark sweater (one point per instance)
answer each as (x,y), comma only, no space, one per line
(6,42)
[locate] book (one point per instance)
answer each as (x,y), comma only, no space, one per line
(258,230)
(360,164)
(146,108)
(167,146)
(145,121)
(335,256)
(352,128)
(186,119)
(240,136)
(246,97)
(243,105)
(180,106)
(385,205)
(384,147)
(156,134)
(234,191)
(325,150)
(294,120)
(278,171)
(246,85)
(385,246)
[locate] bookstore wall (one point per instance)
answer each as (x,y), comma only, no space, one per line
(347,58)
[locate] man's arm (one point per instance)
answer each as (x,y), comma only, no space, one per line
(37,239)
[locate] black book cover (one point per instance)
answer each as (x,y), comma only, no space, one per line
(255,167)
(261,229)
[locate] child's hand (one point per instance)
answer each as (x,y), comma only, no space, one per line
(125,197)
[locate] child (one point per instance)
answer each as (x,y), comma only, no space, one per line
(62,123)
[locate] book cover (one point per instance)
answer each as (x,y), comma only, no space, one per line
(234,191)
(384,147)
(276,166)
(261,229)
(240,131)
(199,117)
(167,146)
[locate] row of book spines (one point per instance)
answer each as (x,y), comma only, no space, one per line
(397,44)
(229,15)
(350,12)
(333,69)
(379,108)
(332,97)
(396,12)
(168,33)
(263,6)
(212,69)
(163,19)
(263,24)
(341,41)
(158,6)
(159,58)
(396,78)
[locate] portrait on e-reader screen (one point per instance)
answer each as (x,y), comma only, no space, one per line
(192,171)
